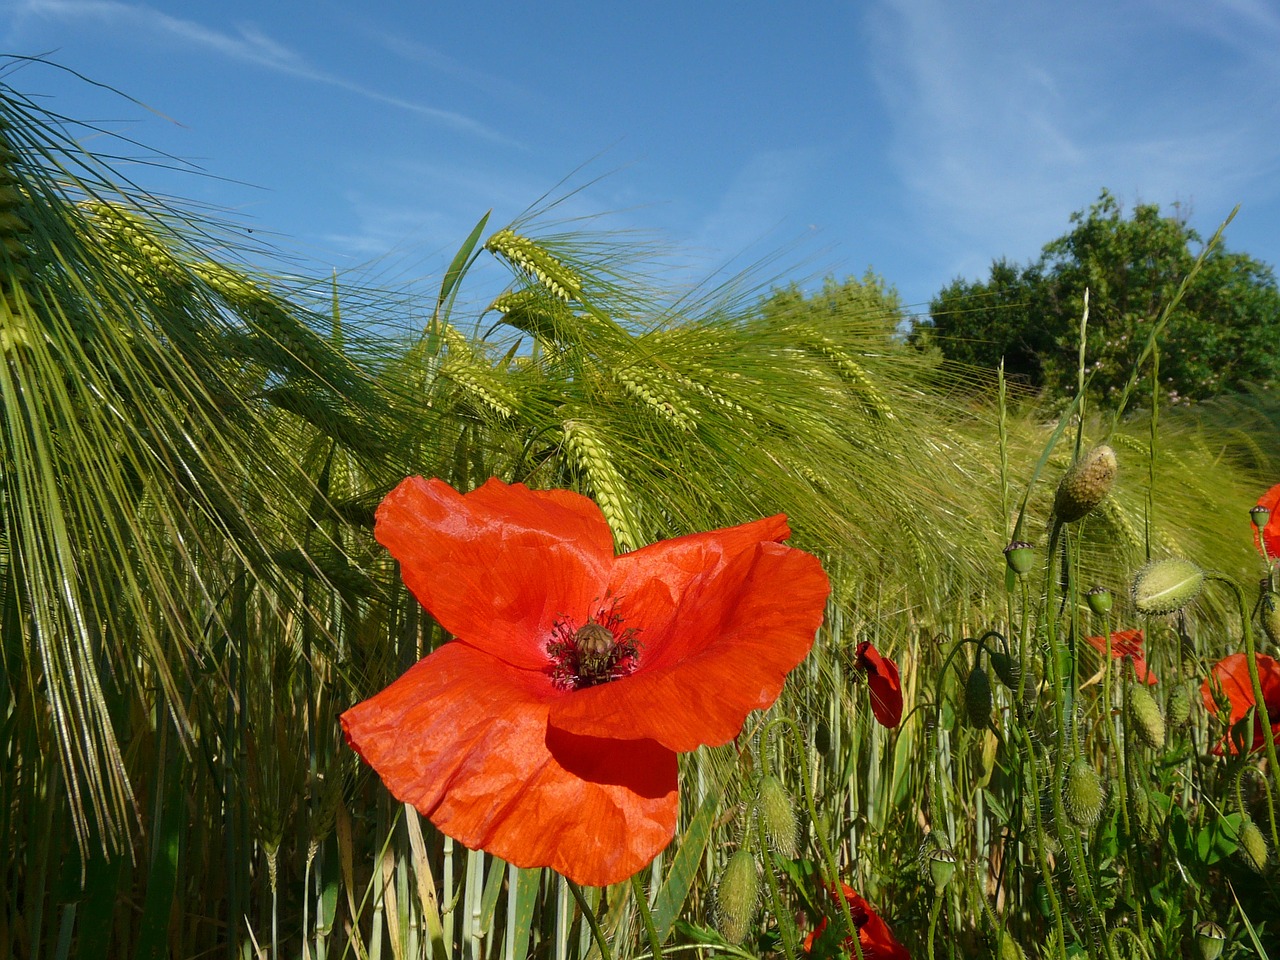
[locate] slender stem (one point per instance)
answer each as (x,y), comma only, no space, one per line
(590,916)
(646,916)
(934,912)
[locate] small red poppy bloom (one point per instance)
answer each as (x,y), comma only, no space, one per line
(546,733)
(1231,676)
(884,682)
(1271,531)
(874,936)
(1126,644)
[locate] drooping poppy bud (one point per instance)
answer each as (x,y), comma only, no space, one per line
(1083,793)
(737,896)
(1144,712)
(778,816)
(1178,710)
(977,697)
(1166,586)
(1085,484)
(1253,846)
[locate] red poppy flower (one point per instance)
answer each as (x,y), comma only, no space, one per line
(547,731)
(1231,676)
(883,679)
(1126,644)
(1271,531)
(874,936)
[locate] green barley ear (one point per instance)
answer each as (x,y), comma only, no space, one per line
(1253,846)
(977,697)
(1210,939)
(537,263)
(1178,710)
(778,816)
(1144,713)
(1083,793)
(1166,586)
(737,895)
(1085,484)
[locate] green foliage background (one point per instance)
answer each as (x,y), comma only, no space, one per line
(190,593)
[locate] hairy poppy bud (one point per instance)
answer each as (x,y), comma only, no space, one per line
(778,816)
(977,697)
(1020,556)
(1099,600)
(1148,721)
(1253,846)
(1082,793)
(1166,586)
(1269,610)
(1007,669)
(737,895)
(1210,938)
(1178,710)
(1085,484)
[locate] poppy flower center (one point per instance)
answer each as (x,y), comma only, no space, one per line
(598,651)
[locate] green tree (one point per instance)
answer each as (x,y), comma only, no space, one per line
(1224,334)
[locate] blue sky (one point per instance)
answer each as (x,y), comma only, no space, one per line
(922,138)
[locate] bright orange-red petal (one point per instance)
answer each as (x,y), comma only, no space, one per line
(1270,532)
(1126,643)
(1231,674)
(497,566)
(733,633)
(464,738)
(884,683)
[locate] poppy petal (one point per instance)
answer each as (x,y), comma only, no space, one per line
(1231,676)
(884,682)
(464,738)
(734,633)
(497,566)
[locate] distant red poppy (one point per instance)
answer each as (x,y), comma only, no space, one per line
(1271,531)
(874,936)
(1231,675)
(547,732)
(884,682)
(1126,644)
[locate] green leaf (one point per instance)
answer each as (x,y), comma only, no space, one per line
(684,865)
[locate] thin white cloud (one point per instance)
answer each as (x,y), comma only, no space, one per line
(247,44)
(1005,118)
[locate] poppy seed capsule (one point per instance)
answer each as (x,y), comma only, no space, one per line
(1253,846)
(1099,600)
(1082,793)
(1147,719)
(1020,556)
(1210,939)
(1259,515)
(1166,586)
(1085,484)
(778,816)
(737,895)
(942,866)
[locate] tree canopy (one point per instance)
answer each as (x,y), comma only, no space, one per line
(1224,334)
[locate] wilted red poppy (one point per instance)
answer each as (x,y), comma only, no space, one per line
(1126,644)
(883,680)
(1271,531)
(547,732)
(874,936)
(1231,676)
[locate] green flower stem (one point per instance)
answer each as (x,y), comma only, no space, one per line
(934,913)
(786,925)
(601,941)
(829,859)
(1260,703)
(646,916)
(1042,853)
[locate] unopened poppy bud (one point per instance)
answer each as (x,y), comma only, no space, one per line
(1178,710)
(1085,484)
(1253,846)
(1082,793)
(737,895)
(778,816)
(977,697)
(1099,600)
(942,865)
(1007,669)
(1009,949)
(1166,586)
(1148,721)
(1259,515)
(1269,611)
(1020,556)
(1210,938)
